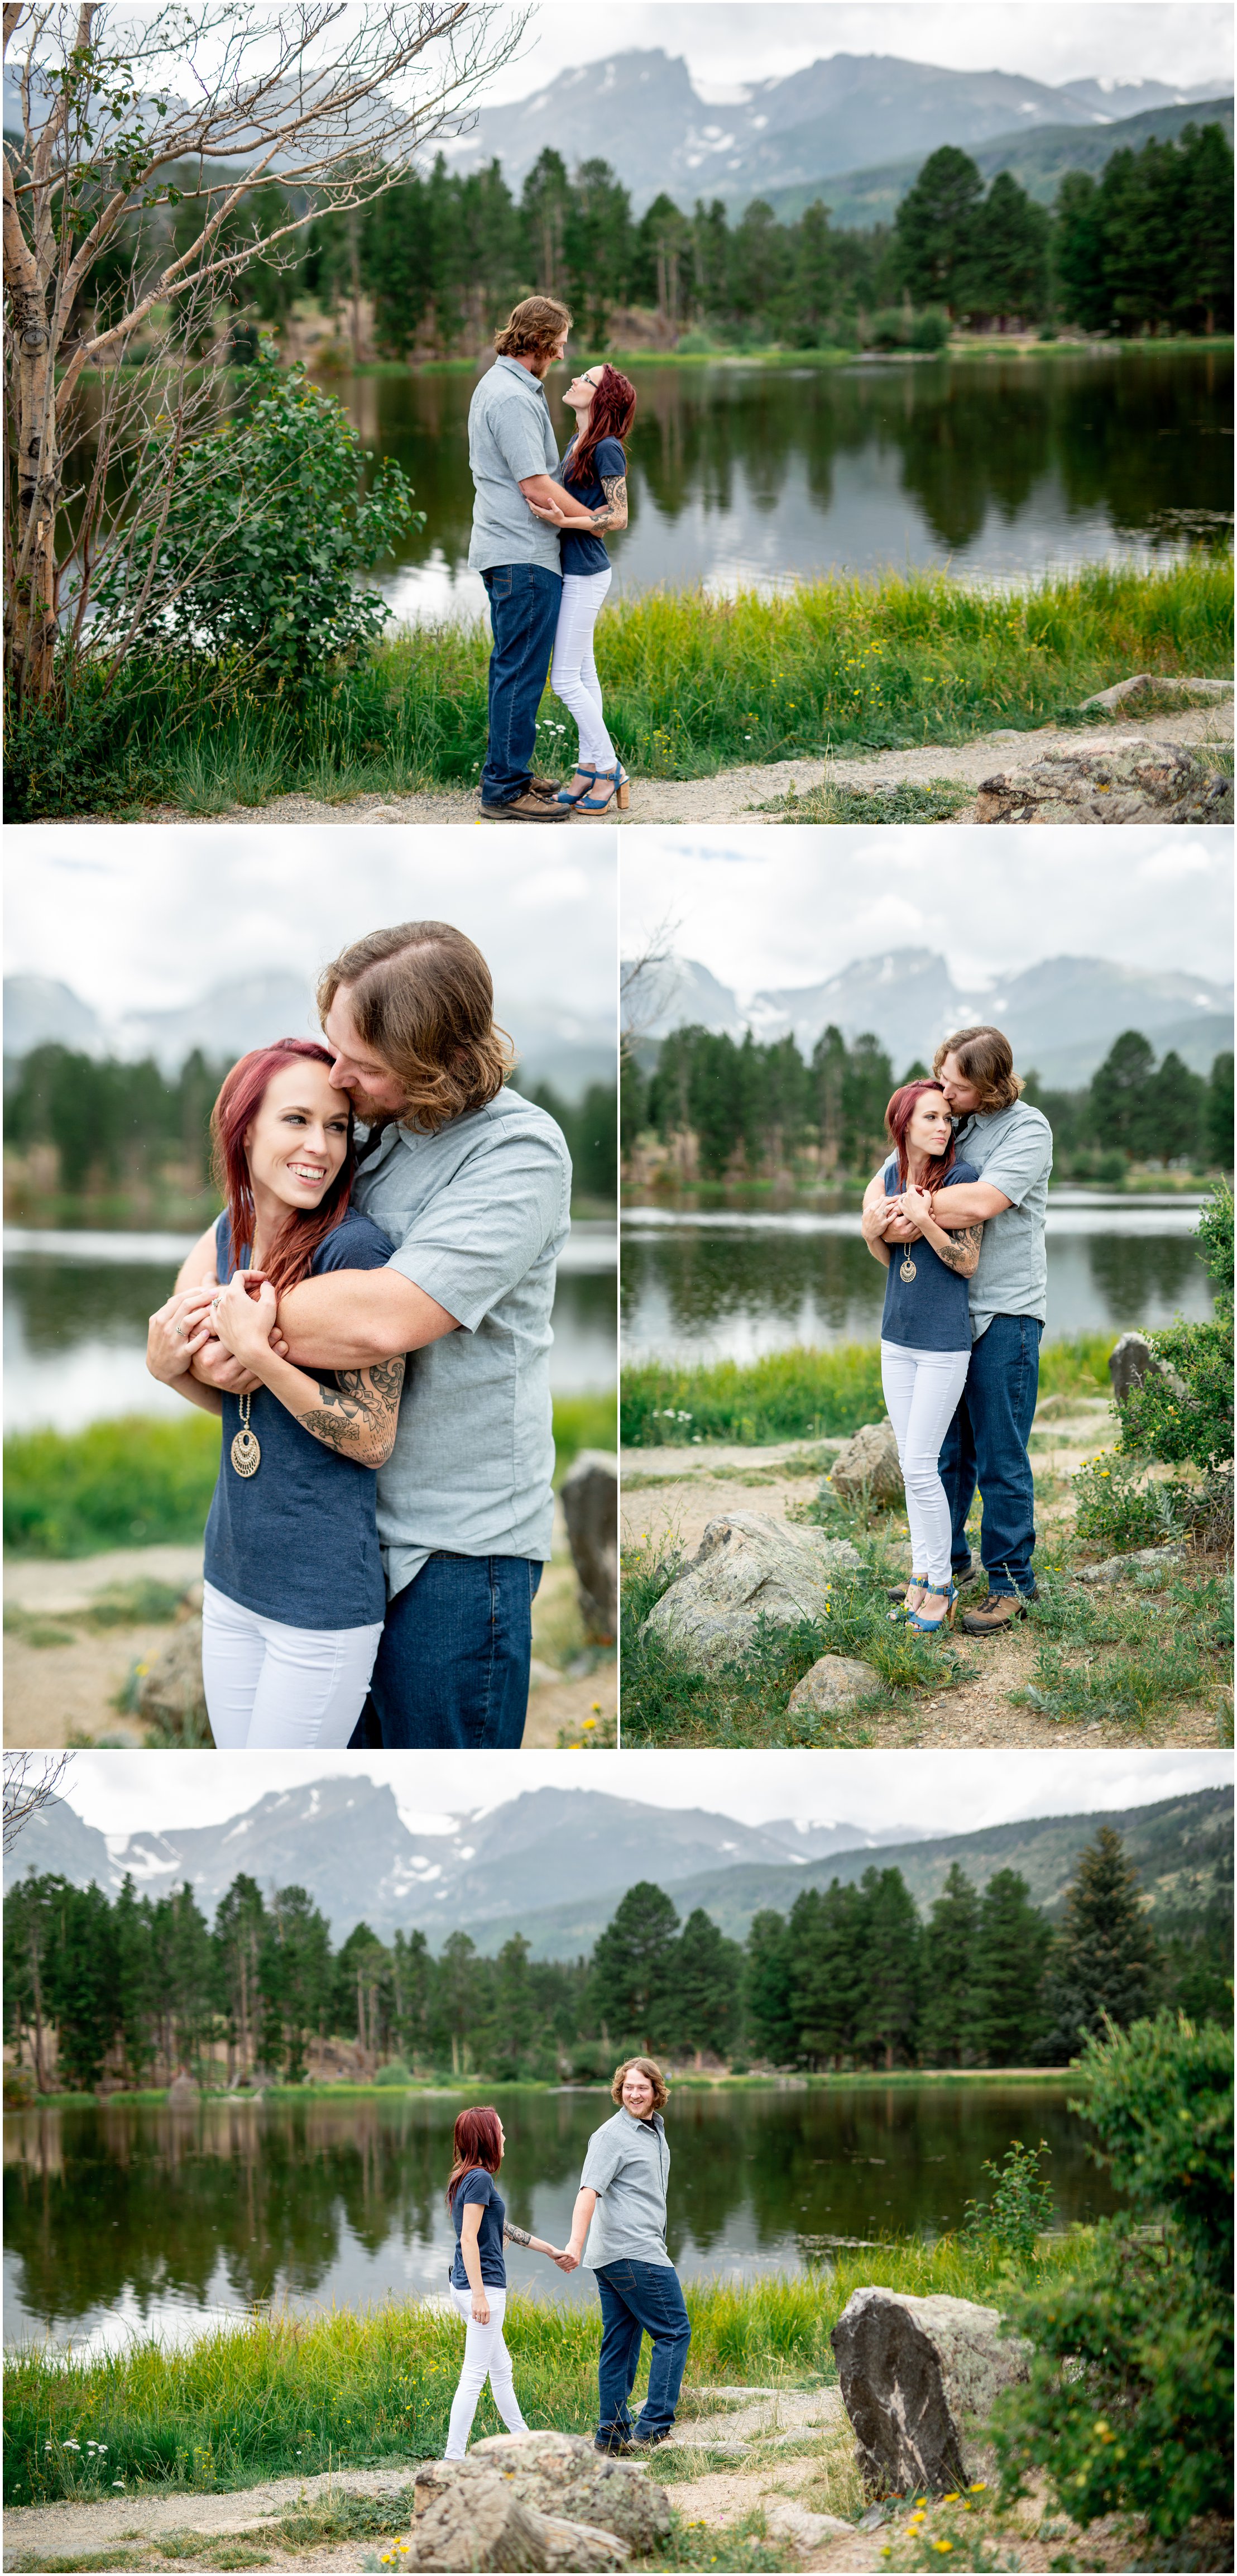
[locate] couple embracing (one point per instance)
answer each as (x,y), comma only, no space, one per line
(620,2210)
(537,543)
(957,1218)
(370,1319)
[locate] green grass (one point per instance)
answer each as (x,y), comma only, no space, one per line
(138,1480)
(805,1393)
(693,685)
(286,2396)
(906,803)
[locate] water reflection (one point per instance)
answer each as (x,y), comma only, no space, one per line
(711,1292)
(155,2216)
(760,474)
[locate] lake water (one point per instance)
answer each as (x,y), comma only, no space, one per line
(76,1309)
(703,1285)
(749,476)
(145,2219)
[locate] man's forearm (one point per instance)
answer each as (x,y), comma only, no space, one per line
(353,1318)
(582,2214)
(971,1203)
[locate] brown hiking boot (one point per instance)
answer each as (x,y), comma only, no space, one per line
(526,808)
(547,788)
(996,1614)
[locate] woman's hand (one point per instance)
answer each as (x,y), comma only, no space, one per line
(243,1322)
(480,2308)
(180,1328)
(551,510)
(916,1205)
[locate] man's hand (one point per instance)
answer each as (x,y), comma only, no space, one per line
(216,1367)
(569,2259)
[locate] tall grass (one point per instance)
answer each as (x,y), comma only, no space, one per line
(805,1393)
(289,2395)
(138,1480)
(693,684)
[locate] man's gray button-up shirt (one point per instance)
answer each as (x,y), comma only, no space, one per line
(509,438)
(627,2164)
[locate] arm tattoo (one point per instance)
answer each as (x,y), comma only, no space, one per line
(962,1250)
(614,514)
(361,1411)
(515,2235)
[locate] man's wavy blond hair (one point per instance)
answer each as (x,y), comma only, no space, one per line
(421,996)
(534,329)
(644,2066)
(985,1059)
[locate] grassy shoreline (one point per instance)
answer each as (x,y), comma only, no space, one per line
(456,2088)
(694,685)
(804,1393)
(293,2396)
(829,355)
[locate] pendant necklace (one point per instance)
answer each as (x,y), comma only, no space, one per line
(246,1452)
(907,1268)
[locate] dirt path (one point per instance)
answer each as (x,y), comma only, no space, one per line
(71,2529)
(670,1495)
(733,795)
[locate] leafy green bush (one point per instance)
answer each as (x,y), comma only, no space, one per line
(1020,2210)
(394,2072)
(1188,1417)
(1129,2404)
(1118,1507)
(898,329)
(267,518)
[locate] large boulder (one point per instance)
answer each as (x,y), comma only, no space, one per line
(170,1689)
(919,2378)
(834,1684)
(747,1567)
(867,1468)
(563,2474)
(1132,1359)
(474,2521)
(1129,782)
(590,1508)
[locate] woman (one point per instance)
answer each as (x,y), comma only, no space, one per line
(479,2273)
(594,474)
(294,1596)
(925,1330)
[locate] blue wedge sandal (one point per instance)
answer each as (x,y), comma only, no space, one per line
(617,787)
(931,1627)
(585,771)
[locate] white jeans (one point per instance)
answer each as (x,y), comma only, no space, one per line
(922,1389)
(573,671)
(485,2357)
(266,1684)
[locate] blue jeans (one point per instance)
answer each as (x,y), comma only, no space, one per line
(986,1444)
(640,2299)
(524,603)
(452,1668)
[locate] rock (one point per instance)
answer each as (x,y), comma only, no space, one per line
(562,2475)
(793,2522)
(1130,782)
(171,1686)
(183,2094)
(747,1567)
(1137,687)
(834,1683)
(478,2521)
(919,2378)
(1116,1569)
(867,1467)
(590,1507)
(1132,1359)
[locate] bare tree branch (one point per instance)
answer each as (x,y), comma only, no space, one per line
(30,1781)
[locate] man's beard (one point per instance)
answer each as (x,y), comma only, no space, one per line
(372,1113)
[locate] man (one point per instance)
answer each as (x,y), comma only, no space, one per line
(473,1185)
(621,2208)
(986,1443)
(514,455)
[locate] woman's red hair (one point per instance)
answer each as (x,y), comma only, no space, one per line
(611,413)
(897,1119)
(478,2146)
(303,1229)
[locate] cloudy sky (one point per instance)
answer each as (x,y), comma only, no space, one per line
(147,920)
(741,40)
(946,1793)
(773,908)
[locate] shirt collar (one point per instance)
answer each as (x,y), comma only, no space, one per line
(656,2122)
(513,368)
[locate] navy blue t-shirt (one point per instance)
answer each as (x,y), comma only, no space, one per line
(298,1540)
(481,2186)
(579,551)
(932,1311)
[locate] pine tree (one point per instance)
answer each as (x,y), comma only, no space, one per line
(827,1947)
(937,229)
(770,1988)
(633,1966)
(946,2036)
(1105,1962)
(1011,1946)
(889,1995)
(1121,1103)
(295,1979)
(1220,1114)
(240,1922)
(705,1973)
